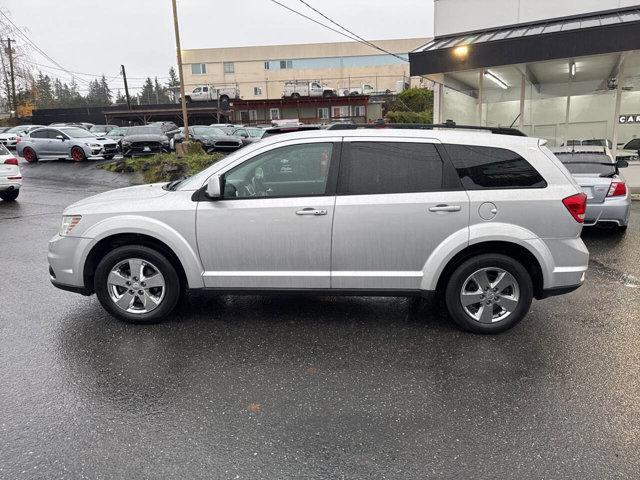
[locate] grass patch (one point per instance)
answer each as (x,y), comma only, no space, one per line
(164,167)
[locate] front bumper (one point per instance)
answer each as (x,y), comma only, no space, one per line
(612,210)
(9,142)
(66,262)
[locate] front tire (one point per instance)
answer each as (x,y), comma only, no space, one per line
(77,154)
(9,196)
(489,293)
(137,284)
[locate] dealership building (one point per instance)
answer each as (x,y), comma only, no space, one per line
(557,70)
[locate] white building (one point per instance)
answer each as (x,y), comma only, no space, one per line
(555,69)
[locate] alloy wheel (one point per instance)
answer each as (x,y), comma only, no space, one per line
(490,295)
(77,154)
(136,286)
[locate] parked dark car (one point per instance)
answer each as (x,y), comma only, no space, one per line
(144,140)
(249,134)
(165,126)
(211,138)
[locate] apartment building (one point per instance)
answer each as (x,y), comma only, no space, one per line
(261,71)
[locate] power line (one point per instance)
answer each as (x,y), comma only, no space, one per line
(362,40)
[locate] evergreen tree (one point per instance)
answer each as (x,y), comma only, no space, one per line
(44,91)
(120,98)
(162,95)
(148,94)
(173,78)
(105,91)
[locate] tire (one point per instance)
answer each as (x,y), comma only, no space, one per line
(519,293)
(187,99)
(29,154)
(295,95)
(620,229)
(10,195)
(155,303)
(327,94)
(77,154)
(108,157)
(224,98)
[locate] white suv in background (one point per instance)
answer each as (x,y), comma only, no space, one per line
(10,176)
(483,220)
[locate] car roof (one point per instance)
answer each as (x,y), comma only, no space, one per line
(444,135)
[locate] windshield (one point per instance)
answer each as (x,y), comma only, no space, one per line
(587,163)
(75,132)
(99,128)
(208,131)
(117,131)
(227,130)
(256,132)
(18,129)
(145,130)
(633,144)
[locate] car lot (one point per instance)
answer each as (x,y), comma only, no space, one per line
(312,387)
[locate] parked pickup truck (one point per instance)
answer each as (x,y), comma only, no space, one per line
(208,93)
(299,88)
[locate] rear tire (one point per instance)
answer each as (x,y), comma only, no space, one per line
(295,95)
(154,303)
(30,155)
(10,195)
(506,305)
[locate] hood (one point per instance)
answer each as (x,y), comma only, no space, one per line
(9,135)
(122,196)
(147,137)
(100,140)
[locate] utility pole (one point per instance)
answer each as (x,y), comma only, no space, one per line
(179,57)
(14,100)
(126,87)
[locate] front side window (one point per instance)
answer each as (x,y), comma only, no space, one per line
(39,134)
(369,168)
(481,168)
(229,67)
(292,171)
(198,68)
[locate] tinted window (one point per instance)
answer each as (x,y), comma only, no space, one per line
(487,167)
(293,171)
(389,167)
(39,134)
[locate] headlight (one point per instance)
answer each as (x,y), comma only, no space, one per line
(93,145)
(69,222)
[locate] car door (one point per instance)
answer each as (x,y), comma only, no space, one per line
(58,147)
(272,228)
(39,140)
(396,202)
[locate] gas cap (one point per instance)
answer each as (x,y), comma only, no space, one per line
(487,211)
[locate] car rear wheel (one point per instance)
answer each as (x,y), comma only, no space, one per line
(77,154)
(295,95)
(29,154)
(489,293)
(9,196)
(137,284)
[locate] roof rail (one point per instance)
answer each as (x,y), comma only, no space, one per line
(449,124)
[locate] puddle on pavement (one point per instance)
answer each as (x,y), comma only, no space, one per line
(627,280)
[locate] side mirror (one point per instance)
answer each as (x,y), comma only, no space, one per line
(622,163)
(214,187)
(60,137)
(244,135)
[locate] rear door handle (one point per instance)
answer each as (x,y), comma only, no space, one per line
(312,211)
(445,208)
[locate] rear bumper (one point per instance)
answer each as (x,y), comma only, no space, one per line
(7,185)
(569,266)
(554,292)
(612,210)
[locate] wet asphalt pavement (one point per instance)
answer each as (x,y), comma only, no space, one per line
(309,387)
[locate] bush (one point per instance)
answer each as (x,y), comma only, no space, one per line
(409,117)
(414,105)
(165,167)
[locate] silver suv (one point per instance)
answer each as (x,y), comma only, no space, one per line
(484,221)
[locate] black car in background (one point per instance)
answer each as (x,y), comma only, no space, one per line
(212,139)
(144,140)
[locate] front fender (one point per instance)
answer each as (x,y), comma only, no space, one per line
(481,233)
(153,228)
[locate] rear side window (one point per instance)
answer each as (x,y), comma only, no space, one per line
(389,167)
(481,168)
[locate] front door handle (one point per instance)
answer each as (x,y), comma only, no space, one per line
(312,211)
(445,208)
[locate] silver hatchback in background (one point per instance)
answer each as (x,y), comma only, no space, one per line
(593,168)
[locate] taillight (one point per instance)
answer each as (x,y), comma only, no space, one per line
(617,189)
(577,206)
(11,161)
(18,139)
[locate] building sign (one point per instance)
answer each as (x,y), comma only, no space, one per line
(629,118)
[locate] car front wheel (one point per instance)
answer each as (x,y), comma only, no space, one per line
(489,293)
(77,154)
(137,284)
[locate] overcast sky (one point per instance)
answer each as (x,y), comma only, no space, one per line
(96,37)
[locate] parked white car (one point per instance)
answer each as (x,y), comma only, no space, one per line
(11,137)
(484,221)
(10,176)
(362,89)
(302,88)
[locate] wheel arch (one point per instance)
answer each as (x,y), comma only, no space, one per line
(106,244)
(517,251)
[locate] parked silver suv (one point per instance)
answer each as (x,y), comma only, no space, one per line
(483,220)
